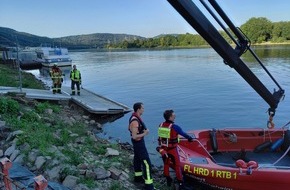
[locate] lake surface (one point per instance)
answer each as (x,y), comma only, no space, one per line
(195,83)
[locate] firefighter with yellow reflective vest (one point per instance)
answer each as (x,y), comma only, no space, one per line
(142,163)
(76,80)
(168,140)
(56,76)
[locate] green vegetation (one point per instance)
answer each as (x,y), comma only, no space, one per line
(9,37)
(40,130)
(116,186)
(258,30)
(39,135)
(261,30)
(9,76)
(8,106)
(166,41)
(40,108)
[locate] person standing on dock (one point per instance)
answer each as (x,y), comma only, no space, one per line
(56,76)
(76,80)
(168,140)
(141,161)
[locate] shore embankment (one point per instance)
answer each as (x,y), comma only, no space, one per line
(57,140)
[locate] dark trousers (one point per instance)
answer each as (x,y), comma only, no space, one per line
(142,163)
(73,84)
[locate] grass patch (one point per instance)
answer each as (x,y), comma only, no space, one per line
(41,107)
(9,106)
(116,185)
(9,76)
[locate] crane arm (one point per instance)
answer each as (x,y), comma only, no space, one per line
(231,56)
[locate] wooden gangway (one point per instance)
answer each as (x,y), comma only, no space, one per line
(90,101)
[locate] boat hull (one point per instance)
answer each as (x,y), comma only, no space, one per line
(59,63)
(48,56)
(230,159)
(236,179)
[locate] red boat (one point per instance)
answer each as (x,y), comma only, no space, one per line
(239,159)
(233,158)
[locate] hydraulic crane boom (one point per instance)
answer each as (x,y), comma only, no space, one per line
(231,56)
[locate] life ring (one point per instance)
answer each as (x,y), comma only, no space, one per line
(252,164)
(241,164)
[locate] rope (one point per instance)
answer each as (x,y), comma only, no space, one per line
(286,152)
(285,125)
(275,130)
(282,155)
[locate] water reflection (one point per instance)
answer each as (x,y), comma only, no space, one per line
(267,53)
(273,51)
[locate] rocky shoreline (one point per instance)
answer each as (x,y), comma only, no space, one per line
(102,167)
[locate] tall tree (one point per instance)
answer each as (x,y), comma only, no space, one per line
(286,31)
(277,32)
(258,29)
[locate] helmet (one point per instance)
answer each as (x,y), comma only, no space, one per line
(55,64)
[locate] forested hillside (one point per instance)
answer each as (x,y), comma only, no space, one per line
(258,30)
(10,37)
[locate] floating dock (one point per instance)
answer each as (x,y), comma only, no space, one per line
(90,101)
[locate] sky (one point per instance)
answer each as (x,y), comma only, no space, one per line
(146,18)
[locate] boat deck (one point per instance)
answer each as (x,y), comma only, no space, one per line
(92,102)
(264,159)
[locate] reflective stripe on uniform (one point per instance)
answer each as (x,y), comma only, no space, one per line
(148,180)
(164,132)
(137,174)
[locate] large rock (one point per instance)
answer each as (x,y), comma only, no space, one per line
(112,152)
(32,156)
(10,150)
(53,174)
(12,135)
(40,160)
(115,173)
(14,155)
(70,181)
(19,159)
(101,173)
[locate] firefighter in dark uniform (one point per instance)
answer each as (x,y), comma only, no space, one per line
(76,80)
(168,140)
(142,163)
(56,76)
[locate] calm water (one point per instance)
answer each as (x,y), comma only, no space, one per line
(203,91)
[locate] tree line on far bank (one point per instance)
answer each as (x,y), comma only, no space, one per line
(257,29)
